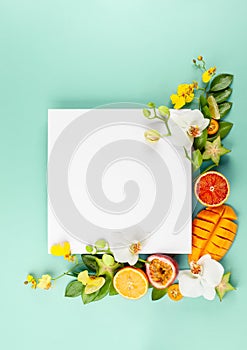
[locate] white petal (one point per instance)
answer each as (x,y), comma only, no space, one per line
(122,254)
(204,258)
(189,285)
(208,291)
(204,123)
(133,259)
(212,272)
(180,120)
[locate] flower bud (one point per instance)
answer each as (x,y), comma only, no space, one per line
(152,136)
(200,58)
(164,111)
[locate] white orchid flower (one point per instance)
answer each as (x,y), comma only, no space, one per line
(192,122)
(128,244)
(201,280)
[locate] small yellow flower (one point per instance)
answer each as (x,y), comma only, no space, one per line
(92,283)
(29,278)
(62,249)
(200,58)
(44,282)
(32,280)
(207,75)
(185,94)
(152,136)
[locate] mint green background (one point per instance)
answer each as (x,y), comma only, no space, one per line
(77,54)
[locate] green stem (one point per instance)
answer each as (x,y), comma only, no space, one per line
(64,274)
(168,128)
(144,261)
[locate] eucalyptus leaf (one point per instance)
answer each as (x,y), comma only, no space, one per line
(224,129)
(90,261)
(74,289)
(196,159)
(199,142)
(223,95)
(104,290)
(158,293)
(225,108)
(221,82)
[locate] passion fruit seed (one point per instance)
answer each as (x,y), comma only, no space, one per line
(160,271)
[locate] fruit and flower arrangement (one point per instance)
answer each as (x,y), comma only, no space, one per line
(104,271)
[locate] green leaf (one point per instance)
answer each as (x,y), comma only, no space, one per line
(223,95)
(203,101)
(88,298)
(146,112)
(221,82)
(206,112)
(199,142)
(225,108)
(196,159)
(78,268)
(73,289)
(90,261)
(112,290)
(158,293)
(139,265)
(224,129)
(103,291)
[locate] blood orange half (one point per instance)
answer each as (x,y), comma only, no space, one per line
(212,189)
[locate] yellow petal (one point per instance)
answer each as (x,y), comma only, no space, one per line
(182,89)
(189,98)
(61,249)
(83,277)
(174,98)
(30,278)
(180,103)
(206,77)
(44,282)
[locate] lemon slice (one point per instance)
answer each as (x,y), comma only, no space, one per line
(94,285)
(213,107)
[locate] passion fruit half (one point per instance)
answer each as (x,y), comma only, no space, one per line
(161,270)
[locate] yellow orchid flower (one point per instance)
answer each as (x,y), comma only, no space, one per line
(207,75)
(32,280)
(62,249)
(185,94)
(92,283)
(44,282)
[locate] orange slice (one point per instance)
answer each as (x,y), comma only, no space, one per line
(174,292)
(212,189)
(131,283)
(213,127)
